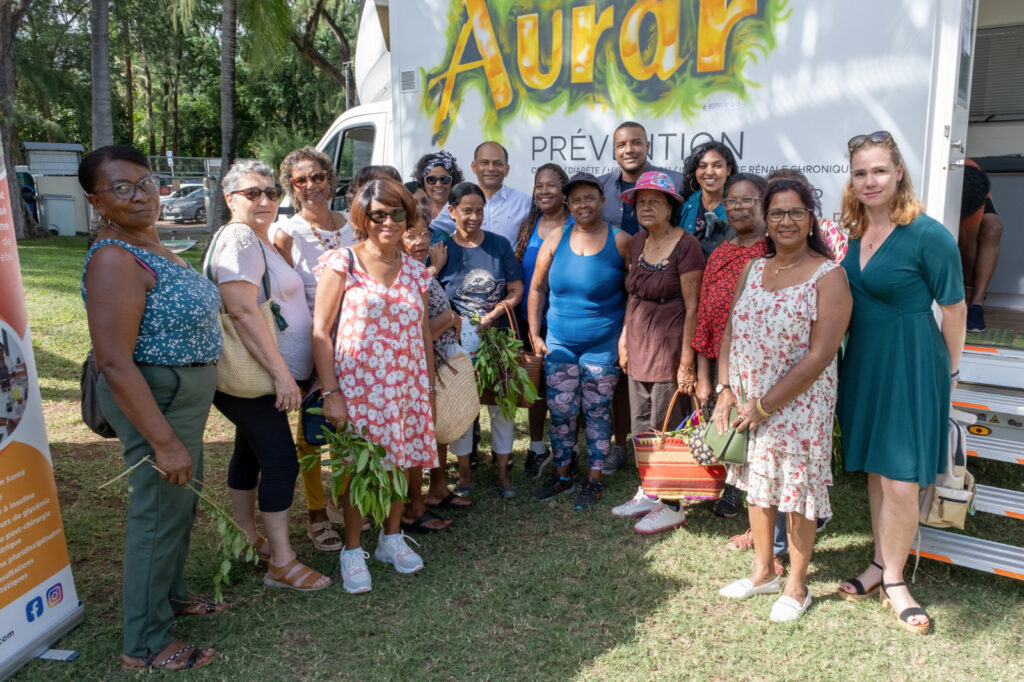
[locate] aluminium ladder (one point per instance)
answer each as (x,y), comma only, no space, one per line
(991,389)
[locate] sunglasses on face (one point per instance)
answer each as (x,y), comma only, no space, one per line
(776,215)
(318,178)
(434,179)
(877,136)
(397,215)
(126,190)
(253,193)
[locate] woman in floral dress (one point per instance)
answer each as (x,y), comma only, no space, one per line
(777,364)
(380,373)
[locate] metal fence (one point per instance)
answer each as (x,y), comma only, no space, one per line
(185,166)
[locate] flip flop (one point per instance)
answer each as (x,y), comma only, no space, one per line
(448,503)
(419,526)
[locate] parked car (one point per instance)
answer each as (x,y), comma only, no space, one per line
(184,191)
(187,208)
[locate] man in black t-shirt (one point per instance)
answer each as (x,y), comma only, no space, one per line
(980,232)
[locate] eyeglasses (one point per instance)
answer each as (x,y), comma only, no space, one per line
(434,179)
(126,190)
(253,193)
(877,136)
(413,238)
(795,214)
(397,215)
(740,202)
(315,177)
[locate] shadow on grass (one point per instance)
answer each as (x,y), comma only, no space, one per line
(54,366)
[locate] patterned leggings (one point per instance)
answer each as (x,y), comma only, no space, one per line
(572,387)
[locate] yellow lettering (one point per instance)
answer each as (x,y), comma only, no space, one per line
(665,60)
(585,34)
(529,50)
(480,26)
(717,18)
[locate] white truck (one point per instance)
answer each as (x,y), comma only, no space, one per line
(781,82)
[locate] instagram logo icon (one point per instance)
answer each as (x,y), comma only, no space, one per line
(54,595)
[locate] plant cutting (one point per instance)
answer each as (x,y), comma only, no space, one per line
(233,544)
(363,468)
(499,370)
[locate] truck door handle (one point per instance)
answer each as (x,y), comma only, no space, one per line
(959,144)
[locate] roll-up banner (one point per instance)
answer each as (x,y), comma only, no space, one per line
(38,600)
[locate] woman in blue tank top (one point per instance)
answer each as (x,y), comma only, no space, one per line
(579,274)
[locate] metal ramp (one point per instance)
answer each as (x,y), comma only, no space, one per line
(963,550)
(992,393)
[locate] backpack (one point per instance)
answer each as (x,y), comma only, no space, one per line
(946,502)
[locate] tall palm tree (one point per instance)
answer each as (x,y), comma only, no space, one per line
(11,16)
(102,108)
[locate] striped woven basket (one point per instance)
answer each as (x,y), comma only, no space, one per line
(668,470)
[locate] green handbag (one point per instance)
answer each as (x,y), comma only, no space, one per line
(729,447)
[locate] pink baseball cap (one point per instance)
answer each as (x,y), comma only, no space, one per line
(655,180)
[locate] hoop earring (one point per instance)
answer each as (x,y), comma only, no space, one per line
(692,188)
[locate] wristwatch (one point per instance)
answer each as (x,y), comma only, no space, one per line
(722,387)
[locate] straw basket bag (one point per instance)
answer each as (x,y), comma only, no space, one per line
(456,398)
(668,470)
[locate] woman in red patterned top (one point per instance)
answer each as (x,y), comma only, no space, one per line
(723,268)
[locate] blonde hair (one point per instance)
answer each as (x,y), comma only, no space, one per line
(905,207)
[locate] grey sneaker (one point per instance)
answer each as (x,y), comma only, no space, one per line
(535,463)
(391,549)
(617,457)
(554,487)
(590,493)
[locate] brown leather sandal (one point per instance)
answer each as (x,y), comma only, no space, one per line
(174,661)
(294,576)
(262,547)
(323,535)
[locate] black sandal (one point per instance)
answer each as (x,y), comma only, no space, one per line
(904,616)
(448,503)
(861,594)
(419,526)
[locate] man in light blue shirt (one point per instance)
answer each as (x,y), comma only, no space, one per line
(506,208)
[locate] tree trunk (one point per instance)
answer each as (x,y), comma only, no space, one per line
(102,108)
(10,16)
(174,108)
(228,35)
(129,87)
(163,115)
(147,81)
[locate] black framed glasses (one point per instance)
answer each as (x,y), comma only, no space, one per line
(879,136)
(397,215)
(795,214)
(126,190)
(434,179)
(253,193)
(302,181)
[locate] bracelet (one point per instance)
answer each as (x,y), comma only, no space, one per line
(327,393)
(760,408)
(955,375)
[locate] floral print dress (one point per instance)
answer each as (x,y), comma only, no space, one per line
(789,456)
(381,361)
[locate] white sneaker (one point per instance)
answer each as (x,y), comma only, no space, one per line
(391,549)
(660,519)
(635,508)
(355,576)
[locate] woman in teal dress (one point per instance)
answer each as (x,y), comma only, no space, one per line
(899,366)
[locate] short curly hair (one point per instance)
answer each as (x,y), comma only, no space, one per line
(306,153)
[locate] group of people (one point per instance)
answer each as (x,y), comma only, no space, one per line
(636,286)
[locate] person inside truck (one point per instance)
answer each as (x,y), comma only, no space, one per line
(548,213)
(438,173)
(483,278)
(704,174)
(980,232)
(631,150)
(899,366)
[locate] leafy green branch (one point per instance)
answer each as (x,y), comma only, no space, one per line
(499,370)
(362,468)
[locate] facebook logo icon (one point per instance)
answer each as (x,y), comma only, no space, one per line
(34,609)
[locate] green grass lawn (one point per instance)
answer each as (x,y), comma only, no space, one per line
(516,589)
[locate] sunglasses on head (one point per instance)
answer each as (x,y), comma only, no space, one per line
(877,136)
(378,217)
(317,177)
(434,179)
(253,193)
